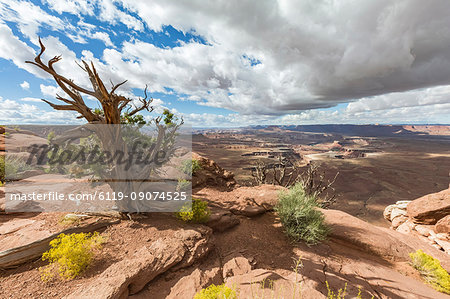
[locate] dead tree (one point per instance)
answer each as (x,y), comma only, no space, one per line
(259,172)
(112,103)
(315,184)
(287,173)
(282,170)
(113,106)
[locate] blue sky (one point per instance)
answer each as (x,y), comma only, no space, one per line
(236,63)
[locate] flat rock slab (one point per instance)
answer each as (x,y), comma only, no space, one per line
(263,283)
(430,208)
(246,201)
(14,225)
(17,142)
(24,241)
(20,232)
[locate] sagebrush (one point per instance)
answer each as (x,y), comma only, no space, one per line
(183,185)
(190,166)
(2,169)
(300,217)
(11,166)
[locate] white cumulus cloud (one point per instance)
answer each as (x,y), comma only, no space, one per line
(25,85)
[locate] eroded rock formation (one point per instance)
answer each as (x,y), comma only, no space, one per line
(426,218)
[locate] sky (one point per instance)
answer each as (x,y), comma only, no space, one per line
(230,63)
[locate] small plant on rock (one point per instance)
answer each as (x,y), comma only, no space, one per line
(216,292)
(340,294)
(197,213)
(300,217)
(431,270)
(12,166)
(70,255)
(190,166)
(2,170)
(183,185)
(69,220)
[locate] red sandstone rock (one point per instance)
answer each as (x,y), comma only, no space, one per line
(212,175)
(430,208)
(236,266)
(443,225)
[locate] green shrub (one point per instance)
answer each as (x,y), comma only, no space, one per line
(198,212)
(300,217)
(183,185)
(216,292)
(50,136)
(2,169)
(10,166)
(195,166)
(431,270)
(70,255)
(190,167)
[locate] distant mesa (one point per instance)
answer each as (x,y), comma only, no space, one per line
(376,130)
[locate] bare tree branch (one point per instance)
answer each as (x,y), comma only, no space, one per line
(114,87)
(111,103)
(145,104)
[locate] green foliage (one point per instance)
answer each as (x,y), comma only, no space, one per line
(183,185)
(136,119)
(10,165)
(169,117)
(340,293)
(300,217)
(51,136)
(92,144)
(138,141)
(195,166)
(431,270)
(216,292)
(52,167)
(197,213)
(70,254)
(190,166)
(2,169)
(98,111)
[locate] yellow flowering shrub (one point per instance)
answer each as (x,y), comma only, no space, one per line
(197,213)
(216,292)
(70,255)
(431,270)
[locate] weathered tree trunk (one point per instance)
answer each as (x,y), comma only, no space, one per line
(111,138)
